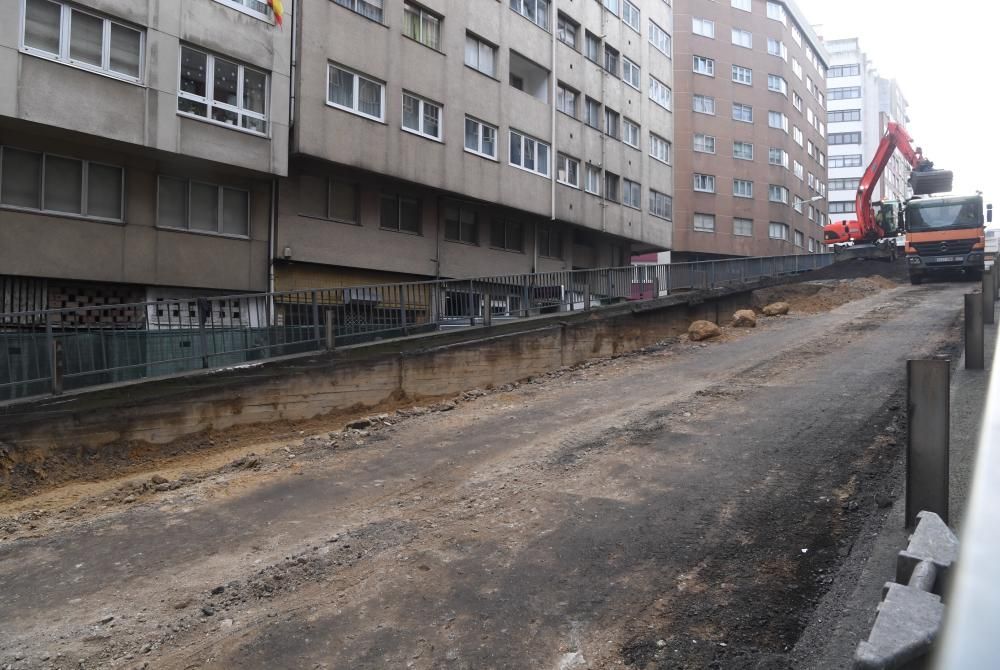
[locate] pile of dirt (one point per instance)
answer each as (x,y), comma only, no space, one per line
(857,268)
(821,295)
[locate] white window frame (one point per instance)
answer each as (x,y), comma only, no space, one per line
(797,203)
(635,79)
(747,144)
(480,43)
(357,84)
(742,107)
(631,130)
(740,220)
(703,27)
(739,192)
(707,104)
(655,143)
(743,5)
(708,64)
(797,135)
(519,9)
(783,121)
(628,9)
(564,158)
(630,188)
(777,48)
(655,210)
(776,12)
(738,72)
(783,155)
(703,183)
(209,98)
(242,6)
(777,84)
(798,237)
(707,222)
(84,186)
(655,86)
(423,14)
(658,35)
(479,136)
(742,38)
(525,138)
(798,170)
(782,194)
(65,25)
(220,214)
(365,8)
(423,103)
(592,172)
(777,225)
(706,141)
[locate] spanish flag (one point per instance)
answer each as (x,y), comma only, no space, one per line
(278,10)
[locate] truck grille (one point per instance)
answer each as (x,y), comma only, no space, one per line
(944,247)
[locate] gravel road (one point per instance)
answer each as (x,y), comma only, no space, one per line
(685,507)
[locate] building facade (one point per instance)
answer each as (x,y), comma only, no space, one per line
(861,103)
(455,139)
(139,143)
(750,122)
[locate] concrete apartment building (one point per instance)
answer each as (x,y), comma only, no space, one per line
(750,117)
(140,142)
(448,138)
(860,104)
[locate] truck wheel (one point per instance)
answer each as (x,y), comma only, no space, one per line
(916,280)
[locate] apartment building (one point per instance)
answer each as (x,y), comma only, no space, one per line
(452,139)
(860,105)
(750,123)
(139,145)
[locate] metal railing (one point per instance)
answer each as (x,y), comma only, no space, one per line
(52,350)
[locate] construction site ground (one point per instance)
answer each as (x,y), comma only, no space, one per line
(686,506)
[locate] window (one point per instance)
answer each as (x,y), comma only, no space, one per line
(568,170)
(797,204)
(811,180)
(841,206)
(704,104)
(659,38)
(777,194)
(592,47)
(742,112)
(777,231)
(846,93)
(797,169)
(836,116)
(528,153)
(659,148)
(797,70)
(844,138)
(592,113)
(70,35)
(327,198)
(850,160)
(371,9)
(421,116)
(460,224)
(197,206)
(797,35)
(630,15)
(507,235)
(611,119)
(480,55)
(659,92)
(611,181)
(844,184)
(704,183)
(399,213)
(809,84)
(743,227)
(704,143)
(811,215)
(810,117)
(810,147)
(844,71)
(743,150)
(796,101)
(222,91)
(742,75)
(742,38)
(630,133)
(549,242)
(566,30)
(777,120)
(611,6)
(45,182)
(632,194)
(777,156)
(777,48)
(631,74)
(528,76)
(702,27)
(797,135)
(536,11)
(611,60)
(593,180)
(355,93)
(566,99)
(480,138)
(777,84)
(776,12)
(742,188)
(812,244)
(705,66)
(661,205)
(421,25)
(741,4)
(704,222)
(798,238)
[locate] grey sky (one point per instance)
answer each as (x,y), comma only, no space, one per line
(944,56)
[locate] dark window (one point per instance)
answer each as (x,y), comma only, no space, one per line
(460,224)
(549,242)
(328,199)
(507,235)
(611,186)
(400,214)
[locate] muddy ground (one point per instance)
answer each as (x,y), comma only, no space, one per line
(682,507)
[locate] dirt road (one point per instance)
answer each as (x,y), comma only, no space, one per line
(681,508)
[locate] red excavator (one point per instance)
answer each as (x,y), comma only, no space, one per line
(873,235)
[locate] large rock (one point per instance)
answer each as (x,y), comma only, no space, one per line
(702,330)
(745,318)
(776,309)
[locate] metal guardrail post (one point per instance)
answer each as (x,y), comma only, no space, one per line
(989,297)
(330,333)
(58,365)
(472,317)
(928,409)
(315,310)
(974,331)
(204,311)
(487,310)
(402,310)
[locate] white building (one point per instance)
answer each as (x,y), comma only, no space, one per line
(859,105)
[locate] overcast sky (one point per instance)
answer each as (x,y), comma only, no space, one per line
(945,56)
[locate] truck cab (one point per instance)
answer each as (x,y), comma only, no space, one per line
(945,234)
